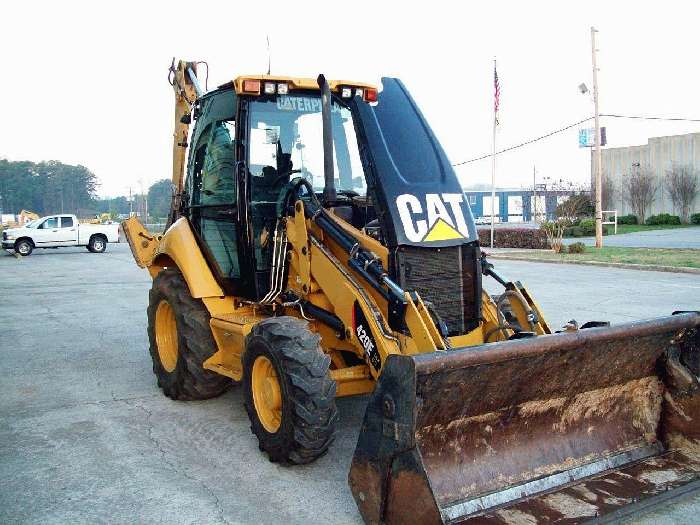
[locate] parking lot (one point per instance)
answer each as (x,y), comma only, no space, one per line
(87,437)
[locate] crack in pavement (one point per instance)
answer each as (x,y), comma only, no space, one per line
(173,466)
(34,409)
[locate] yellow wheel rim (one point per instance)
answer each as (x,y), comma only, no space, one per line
(166,335)
(267,395)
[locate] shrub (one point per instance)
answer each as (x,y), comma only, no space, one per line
(587,227)
(554,231)
(627,219)
(513,238)
(663,218)
(577,247)
(573,231)
(695,218)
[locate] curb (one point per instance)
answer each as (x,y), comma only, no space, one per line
(624,266)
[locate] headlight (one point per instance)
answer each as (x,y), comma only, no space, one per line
(9,237)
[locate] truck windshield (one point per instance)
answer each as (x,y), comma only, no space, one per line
(286,139)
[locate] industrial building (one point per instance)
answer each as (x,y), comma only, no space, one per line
(516,205)
(659,154)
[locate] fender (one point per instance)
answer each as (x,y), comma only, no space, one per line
(180,245)
(177,246)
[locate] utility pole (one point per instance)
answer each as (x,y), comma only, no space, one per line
(598,158)
(533,206)
(493,156)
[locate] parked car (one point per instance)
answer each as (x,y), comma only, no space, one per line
(56,231)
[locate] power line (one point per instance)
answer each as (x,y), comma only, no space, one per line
(641,117)
(526,142)
(609,115)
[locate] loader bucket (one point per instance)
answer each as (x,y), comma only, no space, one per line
(561,428)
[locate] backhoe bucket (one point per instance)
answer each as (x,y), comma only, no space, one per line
(564,428)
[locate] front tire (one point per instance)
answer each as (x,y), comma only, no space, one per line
(24,247)
(97,244)
(181,340)
(289,395)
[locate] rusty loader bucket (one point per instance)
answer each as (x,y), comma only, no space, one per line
(563,428)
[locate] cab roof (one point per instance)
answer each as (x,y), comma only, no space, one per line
(298,83)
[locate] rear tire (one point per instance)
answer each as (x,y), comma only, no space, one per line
(305,420)
(24,247)
(97,244)
(180,324)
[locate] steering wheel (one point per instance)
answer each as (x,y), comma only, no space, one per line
(290,194)
(281,176)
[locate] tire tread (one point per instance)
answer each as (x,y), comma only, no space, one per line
(311,391)
(196,343)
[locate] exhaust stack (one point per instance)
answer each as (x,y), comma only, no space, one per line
(329,194)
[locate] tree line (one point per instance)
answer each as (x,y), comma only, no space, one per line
(49,187)
(46,187)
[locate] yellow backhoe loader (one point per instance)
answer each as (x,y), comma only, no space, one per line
(319,245)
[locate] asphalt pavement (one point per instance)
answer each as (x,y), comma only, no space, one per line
(87,437)
(672,238)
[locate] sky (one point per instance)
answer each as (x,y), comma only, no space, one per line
(85,82)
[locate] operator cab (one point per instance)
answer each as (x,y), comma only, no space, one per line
(249,142)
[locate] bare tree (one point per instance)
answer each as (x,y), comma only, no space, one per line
(608,192)
(638,188)
(567,211)
(682,185)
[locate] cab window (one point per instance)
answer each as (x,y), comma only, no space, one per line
(50,223)
(214,196)
(214,182)
(66,222)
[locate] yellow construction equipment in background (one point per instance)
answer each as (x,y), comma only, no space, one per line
(319,245)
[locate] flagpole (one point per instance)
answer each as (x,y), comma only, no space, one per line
(493,162)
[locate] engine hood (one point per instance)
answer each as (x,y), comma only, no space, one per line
(421,201)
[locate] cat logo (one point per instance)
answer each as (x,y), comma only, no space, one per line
(432,222)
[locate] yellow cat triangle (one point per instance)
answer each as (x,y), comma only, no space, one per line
(441,231)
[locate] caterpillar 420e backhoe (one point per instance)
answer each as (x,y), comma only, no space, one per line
(319,245)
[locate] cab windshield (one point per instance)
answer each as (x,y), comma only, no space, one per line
(286,141)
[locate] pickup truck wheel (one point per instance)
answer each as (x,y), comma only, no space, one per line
(181,340)
(24,247)
(97,244)
(289,394)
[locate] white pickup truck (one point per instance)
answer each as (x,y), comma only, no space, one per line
(56,231)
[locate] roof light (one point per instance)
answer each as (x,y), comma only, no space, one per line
(359,92)
(282,89)
(251,86)
(346,92)
(370,95)
(269,88)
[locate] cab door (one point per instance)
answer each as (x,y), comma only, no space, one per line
(44,235)
(213,202)
(67,234)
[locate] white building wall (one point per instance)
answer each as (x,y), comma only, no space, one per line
(659,154)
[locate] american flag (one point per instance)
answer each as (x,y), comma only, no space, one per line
(496,93)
